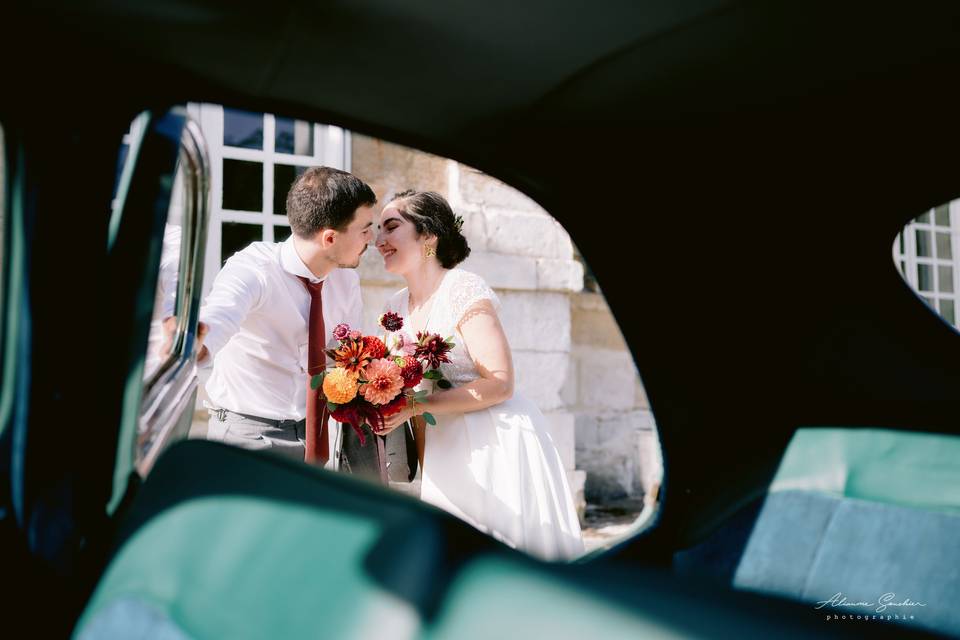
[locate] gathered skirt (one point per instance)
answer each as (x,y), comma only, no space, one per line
(499,470)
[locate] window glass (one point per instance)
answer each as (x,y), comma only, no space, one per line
(242,185)
(294,136)
(283,178)
(923,242)
(926,254)
(944,248)
(281,232)
(236,236)
(242,129)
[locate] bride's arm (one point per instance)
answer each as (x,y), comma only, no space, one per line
(484,338)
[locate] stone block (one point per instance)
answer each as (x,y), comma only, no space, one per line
(523,234)
(374,298)
(577,481)
(562,431)
(569,393)
(371,271)
(640,395)
(539,376)
(536,321)
(651,459)
(390,168)
(502,271)
(592,324)
(607,378)
(555,274)
(586,426)
(621,455)
(474,228)
(477,187)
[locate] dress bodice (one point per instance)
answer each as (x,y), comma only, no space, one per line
(458,292)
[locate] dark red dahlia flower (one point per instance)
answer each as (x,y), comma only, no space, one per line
(432,349)
(391,321)
(411,370)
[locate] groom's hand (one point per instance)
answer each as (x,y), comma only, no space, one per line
(170,327)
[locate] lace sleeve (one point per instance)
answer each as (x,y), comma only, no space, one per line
(467,290)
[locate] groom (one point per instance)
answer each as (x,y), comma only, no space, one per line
(258,318)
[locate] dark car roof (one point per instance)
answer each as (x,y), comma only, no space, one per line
(734,173)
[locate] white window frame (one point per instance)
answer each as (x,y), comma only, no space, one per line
(907,260)
(331,147)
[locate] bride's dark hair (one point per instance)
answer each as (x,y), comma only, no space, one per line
(431,214)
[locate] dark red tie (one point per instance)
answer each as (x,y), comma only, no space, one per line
(317,447)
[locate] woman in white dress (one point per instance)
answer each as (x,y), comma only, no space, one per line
(490,459)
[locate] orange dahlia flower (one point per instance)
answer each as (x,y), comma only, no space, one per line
(352,356)
(340,386)
(384,382)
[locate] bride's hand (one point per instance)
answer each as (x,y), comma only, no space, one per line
(397,419)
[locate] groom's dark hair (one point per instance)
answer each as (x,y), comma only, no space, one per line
(325,198)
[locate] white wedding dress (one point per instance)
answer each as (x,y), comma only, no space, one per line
(497,468)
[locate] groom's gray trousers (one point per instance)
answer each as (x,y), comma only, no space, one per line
(288,438)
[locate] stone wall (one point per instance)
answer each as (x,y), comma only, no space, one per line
(519,249)
(617,443)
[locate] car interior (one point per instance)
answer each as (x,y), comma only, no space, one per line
(734,173)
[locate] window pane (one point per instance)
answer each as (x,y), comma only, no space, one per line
(903,269)
(242,129)
(942,215)
(923,243)
(242,185)
(944,251)
(901,239)
(283,177)
(945,278)
(236,236)
(294,136)
(929,301)
(948,310)
(281,232)
(925,218)
(925,277)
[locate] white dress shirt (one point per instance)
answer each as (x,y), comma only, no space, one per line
(257,314)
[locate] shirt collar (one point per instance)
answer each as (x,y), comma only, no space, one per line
(292,263)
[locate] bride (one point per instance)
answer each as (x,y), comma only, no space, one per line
(490,459)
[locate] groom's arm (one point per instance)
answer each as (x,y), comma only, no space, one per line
(237,290)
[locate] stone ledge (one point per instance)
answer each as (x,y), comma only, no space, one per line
(503,271)
(477,187)
(559,274)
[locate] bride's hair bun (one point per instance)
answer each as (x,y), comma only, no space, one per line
(431,214)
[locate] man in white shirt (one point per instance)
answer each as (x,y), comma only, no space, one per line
(257,312)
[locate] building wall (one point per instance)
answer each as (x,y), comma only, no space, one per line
(617,443)
(600,419)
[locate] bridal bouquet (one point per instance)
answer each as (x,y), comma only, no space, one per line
(373,378)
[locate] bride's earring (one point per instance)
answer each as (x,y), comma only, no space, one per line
(428,251)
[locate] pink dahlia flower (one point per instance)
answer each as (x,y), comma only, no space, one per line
(384,382)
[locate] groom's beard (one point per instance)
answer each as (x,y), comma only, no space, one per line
(356,261)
